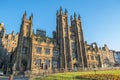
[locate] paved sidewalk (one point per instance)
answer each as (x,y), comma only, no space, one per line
(15,78)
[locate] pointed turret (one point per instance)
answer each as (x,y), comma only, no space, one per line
(71,18)
(60,10)
(31,17)
(79,17)
(57,13)
(24,15)
(12,33)
(75,16)
(66,12)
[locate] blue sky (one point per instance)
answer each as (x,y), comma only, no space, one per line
(100,18)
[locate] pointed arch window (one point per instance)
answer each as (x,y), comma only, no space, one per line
(24,50)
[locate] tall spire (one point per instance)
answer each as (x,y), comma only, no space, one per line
(79,17)
(31,17)
(60,10)
(66,12)
(75,15)
(12,33)
(71,18)
(57,13)
(24,15)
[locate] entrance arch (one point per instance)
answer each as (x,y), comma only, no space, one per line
(75,67)
(24,65)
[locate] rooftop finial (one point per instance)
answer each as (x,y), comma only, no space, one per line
(71,18)
(32,15)
(12,33)
(79,17)
(75,15)
(57,12)
(60,10)
(25,13)
(66,12)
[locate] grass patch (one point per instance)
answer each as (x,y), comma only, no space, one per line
(80,75)
(100,77)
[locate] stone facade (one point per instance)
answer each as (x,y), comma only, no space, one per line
(70,41)
(98,57)
(117,57)
(107,57)
(9,42)
(42,53)
(66,50)
(2,32)
(93,55)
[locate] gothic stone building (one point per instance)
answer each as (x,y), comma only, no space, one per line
(117,57)
(66,50)
(99,57)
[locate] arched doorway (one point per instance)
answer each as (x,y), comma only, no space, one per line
(75,67)
(24,65)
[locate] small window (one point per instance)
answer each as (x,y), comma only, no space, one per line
(55,52)
(55,64)
(24,50)
(38,50)
(47,51)
(47,63)
(73,55)
(73,45)
(72,37)
(38,62)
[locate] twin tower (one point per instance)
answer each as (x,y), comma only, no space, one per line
(70,41)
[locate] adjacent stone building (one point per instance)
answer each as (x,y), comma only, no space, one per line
(93,55)
(9,42)
(2,32)
(107,57)
(66,51)
(99,58)
(117,57)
